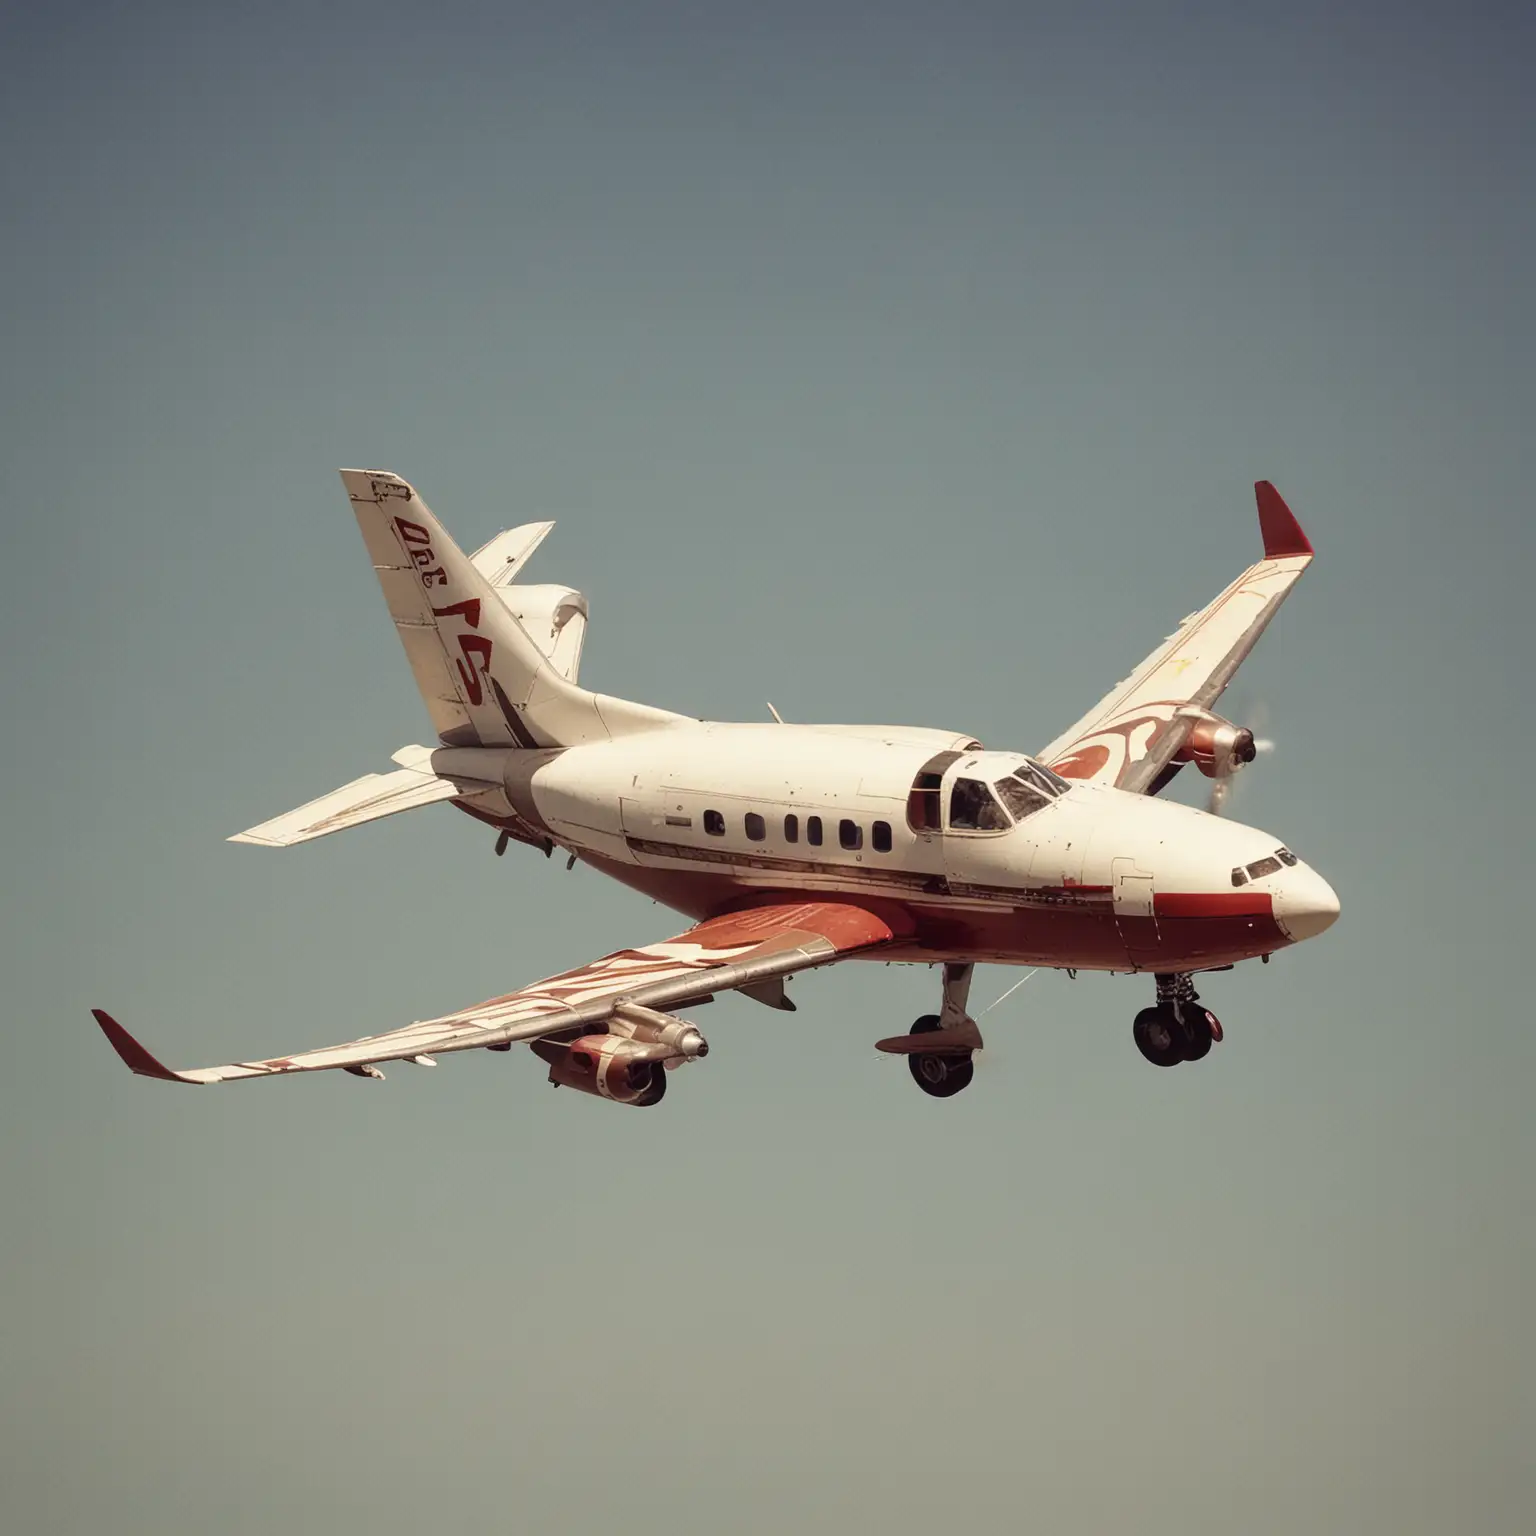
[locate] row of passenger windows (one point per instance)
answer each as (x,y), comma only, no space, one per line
(974,806)
(850,834)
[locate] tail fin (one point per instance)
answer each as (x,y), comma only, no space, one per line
(484,681)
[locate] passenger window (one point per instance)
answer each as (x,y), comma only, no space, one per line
(880,836)
(972,808)
(1022,799)
(813,831)
(757,830)
(850,834)
(791,829)
(714,823)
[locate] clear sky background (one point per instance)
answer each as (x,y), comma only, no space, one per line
(897,363)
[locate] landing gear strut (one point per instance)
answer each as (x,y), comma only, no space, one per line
(945,1067)
(1179,1027)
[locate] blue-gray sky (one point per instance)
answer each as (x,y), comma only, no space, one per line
(892,362)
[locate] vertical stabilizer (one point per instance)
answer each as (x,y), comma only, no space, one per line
(484,681)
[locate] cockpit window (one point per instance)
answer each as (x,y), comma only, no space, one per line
(1286,857)
(1239,876)
(1048,783)
(1022,799)
(923,802)
(1261,867)
(972,808)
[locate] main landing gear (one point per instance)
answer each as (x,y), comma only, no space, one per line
(1179,1027)
(940,1047)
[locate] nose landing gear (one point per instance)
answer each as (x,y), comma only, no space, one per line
(1179,1027)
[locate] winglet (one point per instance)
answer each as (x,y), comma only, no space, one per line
(135,1057)
(1282,533)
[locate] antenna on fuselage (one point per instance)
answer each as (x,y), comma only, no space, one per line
(776,715)
(1009,993)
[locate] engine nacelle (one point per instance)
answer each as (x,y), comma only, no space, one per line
(606,1065)
(676,1037)
(1217,747)
(629,1064)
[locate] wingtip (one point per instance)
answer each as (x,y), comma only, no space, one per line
(1282,533)
(134,1056)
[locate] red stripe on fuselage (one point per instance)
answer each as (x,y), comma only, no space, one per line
(1249,903)
(927,929)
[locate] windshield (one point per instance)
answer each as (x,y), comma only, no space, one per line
(1030,788)
(1048,783)
(973,809)
(1262,867)
(1022,799)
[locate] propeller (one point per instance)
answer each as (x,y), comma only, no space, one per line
(1255,717)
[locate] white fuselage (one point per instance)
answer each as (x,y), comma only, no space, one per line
(710,816)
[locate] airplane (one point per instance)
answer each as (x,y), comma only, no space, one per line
(792,846)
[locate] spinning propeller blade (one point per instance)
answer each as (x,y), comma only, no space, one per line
(1255,718)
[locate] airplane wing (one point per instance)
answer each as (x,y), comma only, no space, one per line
(738,950)
(1129,738)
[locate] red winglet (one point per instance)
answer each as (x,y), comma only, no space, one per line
(135,1057)
(1282,533)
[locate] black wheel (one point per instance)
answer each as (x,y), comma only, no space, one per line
(1159,1037)
(941,1076)
(1198,1033)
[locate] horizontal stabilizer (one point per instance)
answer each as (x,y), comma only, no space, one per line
(555,618)
(502,558)
(376,795)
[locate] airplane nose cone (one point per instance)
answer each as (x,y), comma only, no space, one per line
(1305,904)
